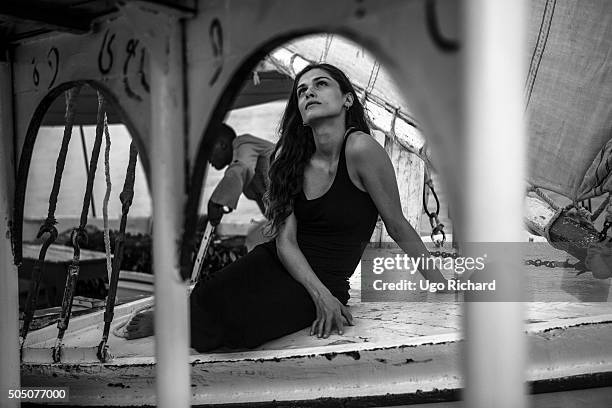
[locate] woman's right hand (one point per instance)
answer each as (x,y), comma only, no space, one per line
(330,313)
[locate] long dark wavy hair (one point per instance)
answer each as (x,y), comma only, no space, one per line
(296,146)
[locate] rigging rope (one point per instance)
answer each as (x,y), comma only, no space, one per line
(367,87)
(48,225)
(601,208)
(126,197)
(363,99)
(328,41)
(109,186)
(608,221)
(546,198)
(373,77)
(86,160)
(79,235)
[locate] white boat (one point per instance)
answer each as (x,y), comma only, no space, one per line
(406,352)
(397,353)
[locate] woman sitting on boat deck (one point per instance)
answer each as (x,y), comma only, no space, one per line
(329,180)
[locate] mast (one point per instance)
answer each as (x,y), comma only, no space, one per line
(494,170)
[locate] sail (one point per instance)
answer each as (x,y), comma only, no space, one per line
(569,96)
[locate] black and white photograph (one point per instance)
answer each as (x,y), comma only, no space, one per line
(306,203)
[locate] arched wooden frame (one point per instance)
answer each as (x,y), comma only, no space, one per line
(224,103)
(27,150)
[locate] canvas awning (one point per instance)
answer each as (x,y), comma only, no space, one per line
(569,96)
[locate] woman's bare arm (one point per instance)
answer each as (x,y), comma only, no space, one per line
(330,311)
(377,176)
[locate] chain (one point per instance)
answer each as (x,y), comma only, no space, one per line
(550,264)
(437,228)
(531,262)
(442,254)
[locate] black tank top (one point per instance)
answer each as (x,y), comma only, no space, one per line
(333,229)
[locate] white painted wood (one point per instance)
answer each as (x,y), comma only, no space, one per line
(409,170)
(420,352)
(403,347)
(171,312)
(9,291)
(393,31)
(538,215)
(163,35)
(99,57)
(492,200)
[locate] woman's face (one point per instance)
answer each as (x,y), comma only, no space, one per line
(319,96)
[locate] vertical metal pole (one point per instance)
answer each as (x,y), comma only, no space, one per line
(167,179)
(9,286)
(493,201)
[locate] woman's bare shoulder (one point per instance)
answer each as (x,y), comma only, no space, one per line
(361,145)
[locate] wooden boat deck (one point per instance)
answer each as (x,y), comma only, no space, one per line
(395,348)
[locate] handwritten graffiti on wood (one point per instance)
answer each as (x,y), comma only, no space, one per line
(106,63)
(129,63)
(215,33)
(130,50)
(53,61)
(35,74)
(105,56)
(141,71)
(53,64)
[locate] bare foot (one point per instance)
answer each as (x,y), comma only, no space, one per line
(141,325)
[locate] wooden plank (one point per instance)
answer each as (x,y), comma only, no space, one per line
(45,16)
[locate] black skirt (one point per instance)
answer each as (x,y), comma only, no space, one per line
(248,303)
